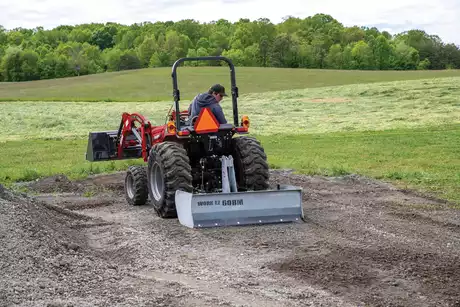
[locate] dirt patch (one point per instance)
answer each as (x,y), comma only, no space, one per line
(379,276)
(112,183)
(55,184)
(75,201)
(92,184)
(364,242)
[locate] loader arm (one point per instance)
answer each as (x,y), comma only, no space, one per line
(127,127)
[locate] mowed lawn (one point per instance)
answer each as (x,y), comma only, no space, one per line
(356,107)
(407,132)
(155,84)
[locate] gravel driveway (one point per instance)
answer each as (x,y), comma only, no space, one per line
(364,243)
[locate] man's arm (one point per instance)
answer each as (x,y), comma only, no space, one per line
(219,114)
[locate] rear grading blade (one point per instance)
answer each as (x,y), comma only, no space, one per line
(283,205)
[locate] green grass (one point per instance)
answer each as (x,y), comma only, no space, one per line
(424,159)
(34,159)
(154,84)
(359,107)
(407,132)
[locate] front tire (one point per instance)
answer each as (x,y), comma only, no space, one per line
(136,190)
(250,161)
(168,170)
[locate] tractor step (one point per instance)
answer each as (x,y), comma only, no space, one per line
(282,205)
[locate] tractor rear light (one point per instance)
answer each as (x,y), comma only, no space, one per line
(245,121)
(183,133)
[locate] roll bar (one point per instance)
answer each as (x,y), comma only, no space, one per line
(234,88)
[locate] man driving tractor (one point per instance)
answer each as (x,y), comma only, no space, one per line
(209,100)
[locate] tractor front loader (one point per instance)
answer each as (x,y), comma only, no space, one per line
(204,173)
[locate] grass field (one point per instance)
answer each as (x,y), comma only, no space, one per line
(358,107)
(155,84)
(407,132)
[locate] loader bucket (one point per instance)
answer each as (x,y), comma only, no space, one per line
(283,205)
(101,146)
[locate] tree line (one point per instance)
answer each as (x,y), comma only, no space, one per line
(319,41)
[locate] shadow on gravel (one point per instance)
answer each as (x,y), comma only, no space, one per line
(385,276)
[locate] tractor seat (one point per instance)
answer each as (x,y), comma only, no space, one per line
(191,128)
(225,127)
(209,121)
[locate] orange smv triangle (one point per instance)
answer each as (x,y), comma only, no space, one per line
(206,122)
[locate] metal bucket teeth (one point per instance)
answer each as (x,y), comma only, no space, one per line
(240,208)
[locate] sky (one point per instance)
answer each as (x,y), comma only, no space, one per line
(439,18)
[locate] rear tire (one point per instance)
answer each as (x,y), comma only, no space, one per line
(250,161)
(168,170)
(136,190)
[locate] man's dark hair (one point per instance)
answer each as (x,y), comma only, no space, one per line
(217,88)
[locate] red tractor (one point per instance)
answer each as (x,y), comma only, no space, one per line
(197,169)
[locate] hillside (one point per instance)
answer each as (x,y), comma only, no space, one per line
(315,42)
(155,84)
